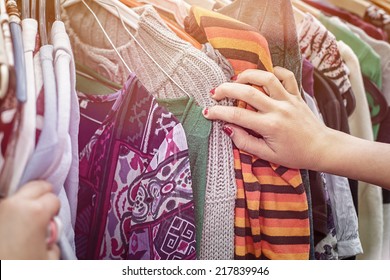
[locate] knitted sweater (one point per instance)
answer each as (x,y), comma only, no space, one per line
(188,67)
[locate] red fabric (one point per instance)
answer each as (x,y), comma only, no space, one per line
(370,29)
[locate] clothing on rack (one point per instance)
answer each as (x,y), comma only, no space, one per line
(196,73)
(111,114)
(257,180)
(145,201)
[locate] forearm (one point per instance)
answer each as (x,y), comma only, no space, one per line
(355,158)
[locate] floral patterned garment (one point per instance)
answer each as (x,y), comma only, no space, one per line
(135,198)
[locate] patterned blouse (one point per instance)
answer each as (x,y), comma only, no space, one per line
(135,199)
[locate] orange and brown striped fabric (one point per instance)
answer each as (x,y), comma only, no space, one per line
(271,213)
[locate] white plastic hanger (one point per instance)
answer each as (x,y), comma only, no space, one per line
(131,18)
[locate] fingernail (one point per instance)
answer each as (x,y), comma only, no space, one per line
(234,78)
(212,92)
(205,111)
(228,130)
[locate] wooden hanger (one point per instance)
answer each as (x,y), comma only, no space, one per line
(129,16)
(304,7)
(176,29)
(178,8)
(379,99)
(298,16)
(358,7)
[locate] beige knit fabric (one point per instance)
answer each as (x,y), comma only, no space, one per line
(190,68)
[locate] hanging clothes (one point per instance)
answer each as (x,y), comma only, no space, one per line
(275,21)
(379,18)
(196,73)
(383,50)
(361,127)
(370,29)
(198,131)
(368,59)
(324,233)
(257,204)
(136,170)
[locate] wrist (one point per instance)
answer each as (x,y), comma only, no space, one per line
(327,149)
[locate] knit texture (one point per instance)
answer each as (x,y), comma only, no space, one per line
(197,129)
(218,58)
(274,19)
(271,217)
(192,70)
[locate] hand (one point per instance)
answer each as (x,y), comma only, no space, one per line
(24,220)
(291,134)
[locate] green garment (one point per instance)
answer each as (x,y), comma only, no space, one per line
(369,60)
(197,130)
(92,83)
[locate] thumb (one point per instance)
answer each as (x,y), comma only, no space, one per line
(249,143)
(53,253)
(34,189)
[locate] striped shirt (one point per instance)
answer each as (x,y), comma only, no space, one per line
(271,214)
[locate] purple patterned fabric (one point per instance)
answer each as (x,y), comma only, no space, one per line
(135,198)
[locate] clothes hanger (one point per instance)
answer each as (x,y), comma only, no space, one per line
(106,35)
(6,59)
(17,50)
(378,99)
(207,4)
(299,16)
(42,22)
(178,8)
(34,9)
(25,9)
(358,7)
(304,7)
(145,51)
(57,9)
(131,18)
(178,31)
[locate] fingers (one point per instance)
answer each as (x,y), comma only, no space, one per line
(239,116)
(50,203)
(54,252)
(287,79)
(246,93)
(34,189)
(265,79)
(248,143)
